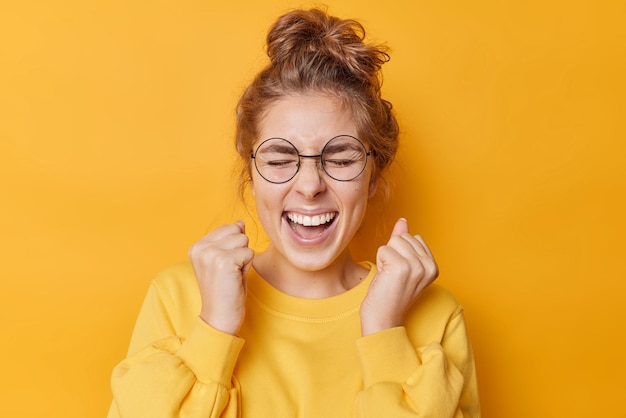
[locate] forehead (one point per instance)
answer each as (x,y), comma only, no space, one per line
(308,121)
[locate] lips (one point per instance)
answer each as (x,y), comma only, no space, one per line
(310,229)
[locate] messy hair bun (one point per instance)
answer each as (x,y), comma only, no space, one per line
(312,52)
(317,46)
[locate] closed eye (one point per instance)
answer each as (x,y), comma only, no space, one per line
(339,163)
(281,163)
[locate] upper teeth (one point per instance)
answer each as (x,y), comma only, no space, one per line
(314,220)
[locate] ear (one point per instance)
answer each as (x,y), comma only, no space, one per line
(250,182)
(373,187)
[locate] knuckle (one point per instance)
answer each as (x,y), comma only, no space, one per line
(435,271)
(193,251)
(404,268)
(245,240)
(395,239)
(419,269)
(406,236)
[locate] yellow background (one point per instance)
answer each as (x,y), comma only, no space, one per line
(116,155)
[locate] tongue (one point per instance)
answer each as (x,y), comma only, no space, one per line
(308,232)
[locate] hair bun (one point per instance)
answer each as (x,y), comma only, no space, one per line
(311,39)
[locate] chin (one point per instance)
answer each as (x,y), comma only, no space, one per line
(312,261)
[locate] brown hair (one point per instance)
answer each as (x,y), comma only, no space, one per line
(312,52)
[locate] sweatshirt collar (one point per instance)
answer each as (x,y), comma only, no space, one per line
(313,310)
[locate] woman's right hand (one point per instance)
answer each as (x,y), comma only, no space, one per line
(220,260)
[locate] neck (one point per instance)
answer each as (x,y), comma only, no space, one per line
(341,275)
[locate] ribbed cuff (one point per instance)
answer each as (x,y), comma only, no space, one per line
(211,354)
(386,356)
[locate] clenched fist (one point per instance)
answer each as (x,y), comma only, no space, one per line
(405,267)
(220,261)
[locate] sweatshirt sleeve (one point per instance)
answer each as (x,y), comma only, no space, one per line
(167,375)
(435,381)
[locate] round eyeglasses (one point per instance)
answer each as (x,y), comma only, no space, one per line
(343,158)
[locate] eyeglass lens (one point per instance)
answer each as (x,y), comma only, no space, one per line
(343,158)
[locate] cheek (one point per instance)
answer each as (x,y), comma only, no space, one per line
(356,197)
(267,196)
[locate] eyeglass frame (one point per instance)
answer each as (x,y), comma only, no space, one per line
(300,156)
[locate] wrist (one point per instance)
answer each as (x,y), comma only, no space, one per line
(373,325)
(225,325)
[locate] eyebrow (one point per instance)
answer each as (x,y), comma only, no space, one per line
(342,147)
(281,148)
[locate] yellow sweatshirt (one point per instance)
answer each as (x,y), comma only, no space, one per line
(301,358)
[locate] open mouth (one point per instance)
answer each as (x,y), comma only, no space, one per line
(310,227)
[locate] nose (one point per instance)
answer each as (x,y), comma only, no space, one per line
(310,180)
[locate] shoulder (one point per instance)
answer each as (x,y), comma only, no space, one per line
(176,284)
(174,297)
(175,276)
(436,298)
(430,314)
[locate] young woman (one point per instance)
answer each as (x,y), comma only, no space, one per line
(301,329)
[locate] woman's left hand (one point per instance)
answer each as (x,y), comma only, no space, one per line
(405,268)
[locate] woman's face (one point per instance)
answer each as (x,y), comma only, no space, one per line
(333,210)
